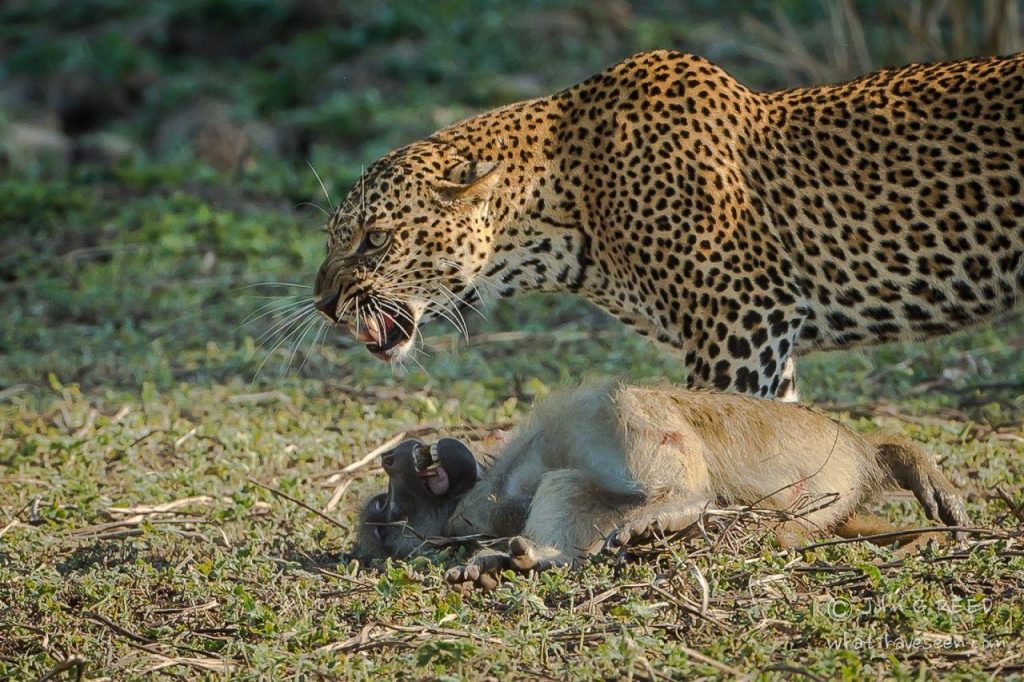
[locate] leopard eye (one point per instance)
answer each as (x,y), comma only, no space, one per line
(377,238)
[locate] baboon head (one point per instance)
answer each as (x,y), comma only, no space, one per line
(425,483)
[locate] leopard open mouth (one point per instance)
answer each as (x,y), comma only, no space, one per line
(385,329)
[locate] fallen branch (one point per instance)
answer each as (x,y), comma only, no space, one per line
(74,663)
(281,493)
(373,454)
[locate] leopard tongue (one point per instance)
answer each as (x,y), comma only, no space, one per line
(370,331)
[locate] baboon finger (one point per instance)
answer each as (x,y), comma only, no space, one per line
(952,511)
(460,587)
(637,532)
(487,582)
(675,521)
(616,540)
(526,556)
(490,563)
(940,500)
(522,553)
(481,570)
(456,575)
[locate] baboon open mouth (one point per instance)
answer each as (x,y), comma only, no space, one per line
(428,467)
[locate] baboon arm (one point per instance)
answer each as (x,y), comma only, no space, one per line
(569,517)
(486,514)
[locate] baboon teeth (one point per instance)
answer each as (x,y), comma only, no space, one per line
(426,458)
(430,471)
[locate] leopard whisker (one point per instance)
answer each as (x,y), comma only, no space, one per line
(296,323)
(314,344)
(471,281)
(344,308)
(441,311)
(452,306)
(411,355)
(359,317)
(378,317)
(271,283)
(462,300)
(282,325)
(299,335)
(381,260)
(322,185)
(275,307)
(314,205)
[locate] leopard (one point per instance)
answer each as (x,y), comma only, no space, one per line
(737,228)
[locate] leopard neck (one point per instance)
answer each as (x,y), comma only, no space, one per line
(539,243)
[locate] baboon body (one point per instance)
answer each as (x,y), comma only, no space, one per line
(619,462)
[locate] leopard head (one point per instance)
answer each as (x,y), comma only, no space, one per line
(408,244)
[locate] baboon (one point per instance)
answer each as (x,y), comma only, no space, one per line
(610,464)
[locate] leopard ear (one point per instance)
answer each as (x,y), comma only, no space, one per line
(469,181)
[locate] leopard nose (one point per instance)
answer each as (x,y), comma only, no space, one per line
(328,305)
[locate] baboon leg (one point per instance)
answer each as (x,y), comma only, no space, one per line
(650,523)
(912,468)
(569,517)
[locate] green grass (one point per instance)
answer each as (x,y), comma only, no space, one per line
(131,377)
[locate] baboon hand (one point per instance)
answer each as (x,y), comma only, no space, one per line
(485,567)
(481,571)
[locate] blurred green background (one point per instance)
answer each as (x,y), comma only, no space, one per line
(159,223)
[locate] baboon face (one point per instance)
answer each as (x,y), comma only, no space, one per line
(425,483)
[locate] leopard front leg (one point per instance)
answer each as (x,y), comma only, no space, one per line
(756,361)
(788,392)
